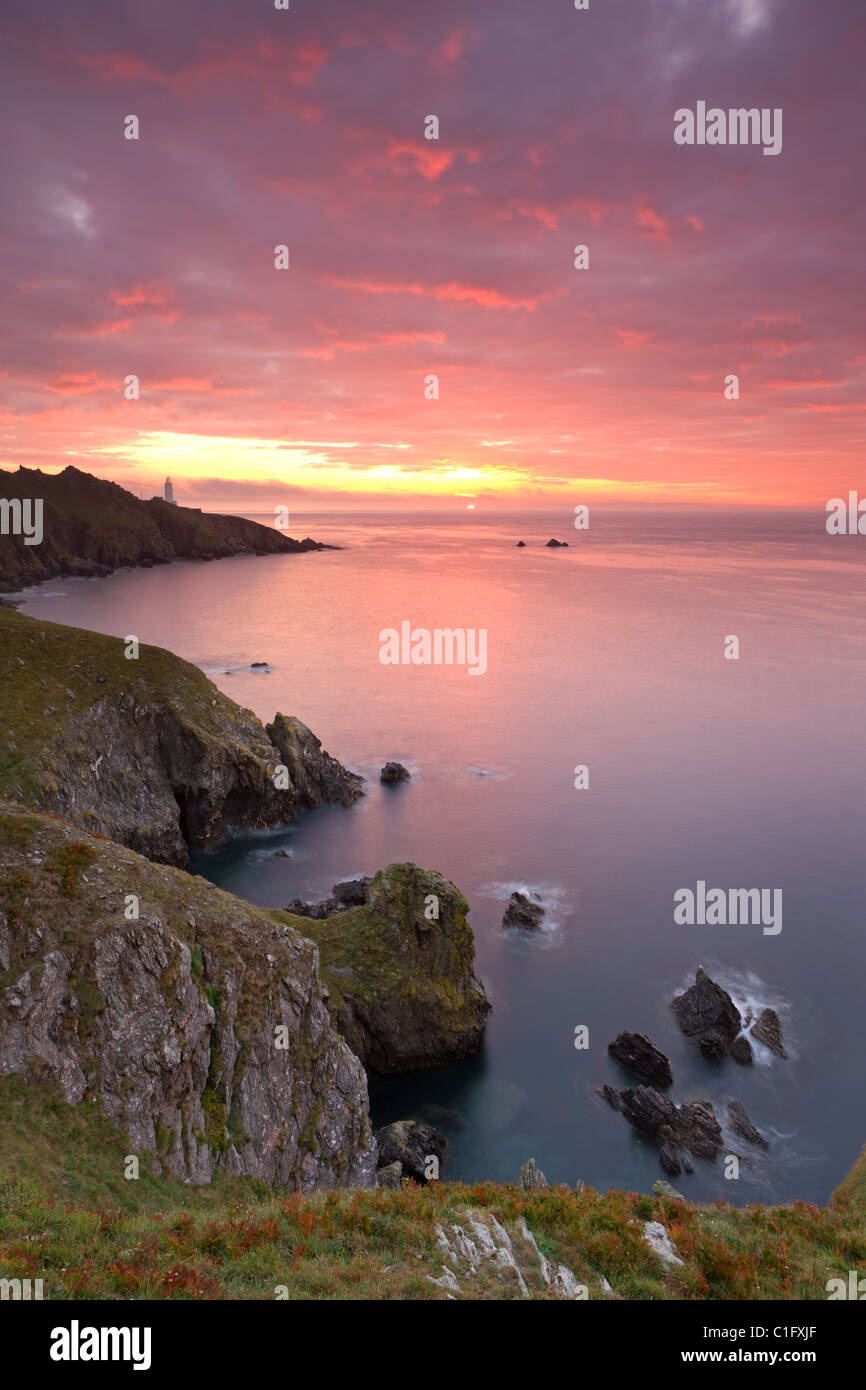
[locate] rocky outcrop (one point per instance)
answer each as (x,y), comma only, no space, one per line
(484,1259)
(90,527)
(707,1013)
(531,1177)
(639,1055)
(195,1021)
(678,1133)
(419,1149)
(523,913)
(559,545)
(352,893)
(768,1030)
(399,969)
(145,749)
(393,773)
(742,1125)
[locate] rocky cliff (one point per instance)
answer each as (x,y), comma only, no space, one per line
(399,967)
(146,750)
(195,1021)
(90,527)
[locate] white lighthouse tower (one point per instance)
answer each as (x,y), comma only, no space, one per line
(168,492)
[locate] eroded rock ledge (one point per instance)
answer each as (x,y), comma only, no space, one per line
(399,967)
(146,750)
(198,1026)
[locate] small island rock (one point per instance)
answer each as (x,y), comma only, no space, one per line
(392,773)
(523,913)
(639,1055)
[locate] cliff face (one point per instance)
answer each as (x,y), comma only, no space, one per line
(399,969)
(91,526)
(146,750)
(198,1026)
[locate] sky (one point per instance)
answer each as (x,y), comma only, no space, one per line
(413,258)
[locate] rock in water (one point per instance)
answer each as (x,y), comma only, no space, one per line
(392,773)
(531,1177)
(677,1133)
(639,1055)
(741,1051)
(523,913)
(520,544)
(400,971)
(698,1130)
(707,1013)
(768,1030)
(198,1028)
(560,545)
(743,1126)
(411,1144)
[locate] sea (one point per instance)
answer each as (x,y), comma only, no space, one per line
(675,698)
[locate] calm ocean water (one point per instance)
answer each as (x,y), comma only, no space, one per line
(744,773)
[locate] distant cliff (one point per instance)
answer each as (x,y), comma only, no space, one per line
(90,527)
(146,750)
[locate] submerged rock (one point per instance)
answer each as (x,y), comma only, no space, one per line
(400,971)
(741,1051)
(522,912)
(743,1126)
(707,1013)
(768,1030)
(413,1145)
(639,1055)
(392,773)
(198,1027)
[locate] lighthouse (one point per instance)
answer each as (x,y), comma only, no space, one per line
(168,492)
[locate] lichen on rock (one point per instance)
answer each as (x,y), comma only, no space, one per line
(198,1026)
(399,968)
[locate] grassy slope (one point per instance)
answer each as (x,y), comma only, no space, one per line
(49,672)
(68,1218)
(853,1185)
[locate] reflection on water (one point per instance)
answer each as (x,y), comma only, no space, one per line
(607,654)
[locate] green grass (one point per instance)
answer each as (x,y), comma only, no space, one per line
(49,674)
(69,1217)
(853,1185)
